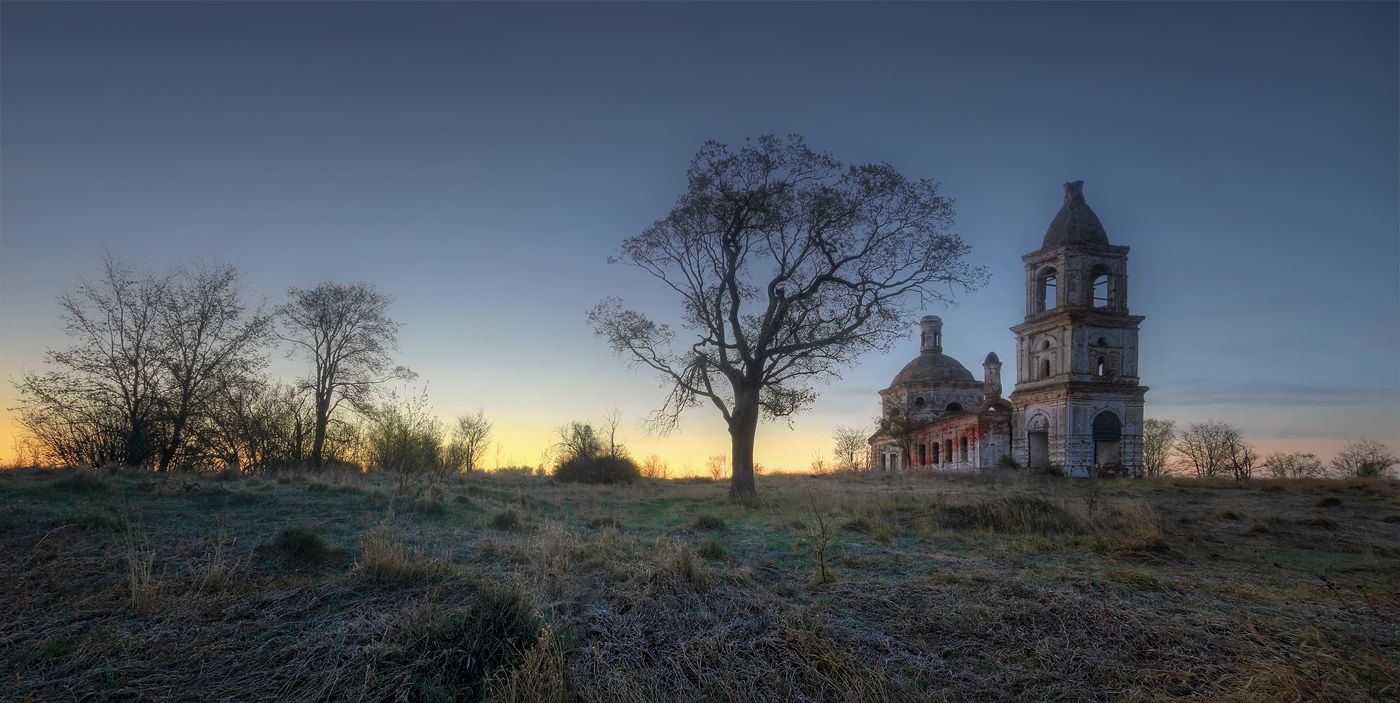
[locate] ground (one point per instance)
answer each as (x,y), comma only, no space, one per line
(996,586)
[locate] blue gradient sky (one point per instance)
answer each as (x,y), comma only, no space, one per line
(479,162)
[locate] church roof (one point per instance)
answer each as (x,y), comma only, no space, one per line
(1075,223)
(932,367)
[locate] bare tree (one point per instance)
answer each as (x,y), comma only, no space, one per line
(1293,465)
(577,440)
(898,426)
(850,448)
(470,438)
(100,402)
(1241,456)
(789,266)
(1158,441)
(204,340)
(1206,448)
(347,334)
(1364,458)
(612,419)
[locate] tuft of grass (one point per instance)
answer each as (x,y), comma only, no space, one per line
(89,519)
(228,474)
(1329,502)
(1231,515)
(601,523)
(1392,519)
(298,546)
(1257,527)
(454,653)
(858,524)
(1015,514)
(83,483)
(384,558)
(1319,520)
(710,548)
(430,505)
(505,520)
(540,677)
(682,567)
(706,522)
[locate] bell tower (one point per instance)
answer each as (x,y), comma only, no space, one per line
(1077,404)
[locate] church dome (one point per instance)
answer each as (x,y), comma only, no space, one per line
(932,367)
(1075,223)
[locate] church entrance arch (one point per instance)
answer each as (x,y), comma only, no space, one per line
(1038,442)
(1108,440)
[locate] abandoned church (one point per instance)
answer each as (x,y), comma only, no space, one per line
(1077,405)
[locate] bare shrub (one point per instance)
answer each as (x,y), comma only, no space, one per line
(716,465)
(655,467)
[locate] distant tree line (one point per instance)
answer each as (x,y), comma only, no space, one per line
(1216,448)
(168,370)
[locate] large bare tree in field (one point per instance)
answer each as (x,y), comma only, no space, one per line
(347,334)
(101,402)
(206,342)
(788,265)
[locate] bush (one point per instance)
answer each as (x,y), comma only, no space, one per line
(598,469)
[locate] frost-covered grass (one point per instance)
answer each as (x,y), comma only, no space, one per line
(317,586)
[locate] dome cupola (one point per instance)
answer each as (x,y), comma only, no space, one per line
(1075,223)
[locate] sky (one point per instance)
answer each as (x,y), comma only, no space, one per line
(479,162)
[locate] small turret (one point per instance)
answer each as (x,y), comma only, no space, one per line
(991,377)
(931,337)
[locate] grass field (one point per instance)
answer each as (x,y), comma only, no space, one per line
(513,587)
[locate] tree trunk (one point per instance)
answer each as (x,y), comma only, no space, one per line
(318,439)
(177,430)
(743,426)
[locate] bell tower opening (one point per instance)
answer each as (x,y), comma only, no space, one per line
(1046,296)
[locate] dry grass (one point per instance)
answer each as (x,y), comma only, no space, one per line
(997,586)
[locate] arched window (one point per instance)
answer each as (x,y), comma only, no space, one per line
(962,448)
(1098,283)
(1107,427)
(919,403)
(1045,368)
(1045,296)
(1101,367)
(935,453)
(948,449)
(923,454)
(954,407)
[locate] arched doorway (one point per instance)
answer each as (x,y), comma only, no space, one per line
(1108,440)
(1038,442)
